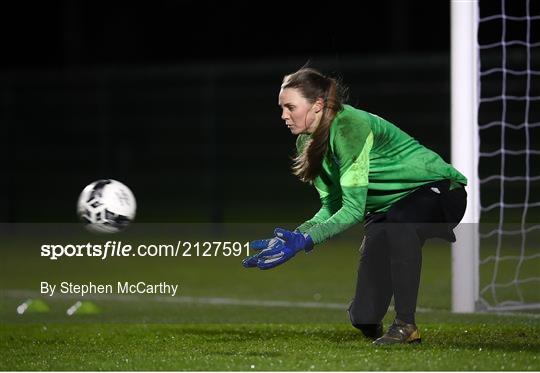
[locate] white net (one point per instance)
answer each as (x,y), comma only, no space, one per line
(509,163)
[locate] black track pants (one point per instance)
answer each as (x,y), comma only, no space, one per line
(391,253)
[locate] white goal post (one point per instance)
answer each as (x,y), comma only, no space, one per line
(464,138)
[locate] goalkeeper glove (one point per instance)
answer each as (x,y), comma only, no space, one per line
(296,239)
(284,248)
(257,245)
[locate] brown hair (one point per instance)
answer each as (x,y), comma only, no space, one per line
(313,85)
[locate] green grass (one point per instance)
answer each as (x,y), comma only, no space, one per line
(148,333)
(264,347)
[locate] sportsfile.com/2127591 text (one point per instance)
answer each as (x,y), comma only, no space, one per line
(119,249)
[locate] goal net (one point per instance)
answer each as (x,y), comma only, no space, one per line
(509,154)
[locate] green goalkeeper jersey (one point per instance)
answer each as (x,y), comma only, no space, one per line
(370,164)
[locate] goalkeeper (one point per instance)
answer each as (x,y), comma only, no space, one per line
(366,170)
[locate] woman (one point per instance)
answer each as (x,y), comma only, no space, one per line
(365,169)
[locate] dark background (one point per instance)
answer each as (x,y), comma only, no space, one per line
(178,100)
(89,33)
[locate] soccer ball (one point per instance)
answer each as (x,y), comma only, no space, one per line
(106,206)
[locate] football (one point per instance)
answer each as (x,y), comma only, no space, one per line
(106,206)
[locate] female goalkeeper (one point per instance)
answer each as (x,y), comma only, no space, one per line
(365,169)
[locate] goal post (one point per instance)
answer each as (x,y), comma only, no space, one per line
(464,150)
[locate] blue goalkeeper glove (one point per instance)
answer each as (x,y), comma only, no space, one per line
(257,245)
(284,248)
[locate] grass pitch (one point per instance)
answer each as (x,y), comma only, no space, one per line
(494,344)
(222,319)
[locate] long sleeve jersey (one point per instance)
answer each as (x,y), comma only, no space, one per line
(370,164)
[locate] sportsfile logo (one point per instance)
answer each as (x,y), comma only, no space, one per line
(111,248)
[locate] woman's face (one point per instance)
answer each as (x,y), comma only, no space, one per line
(299,114)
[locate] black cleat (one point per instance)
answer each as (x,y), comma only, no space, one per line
(399,332)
